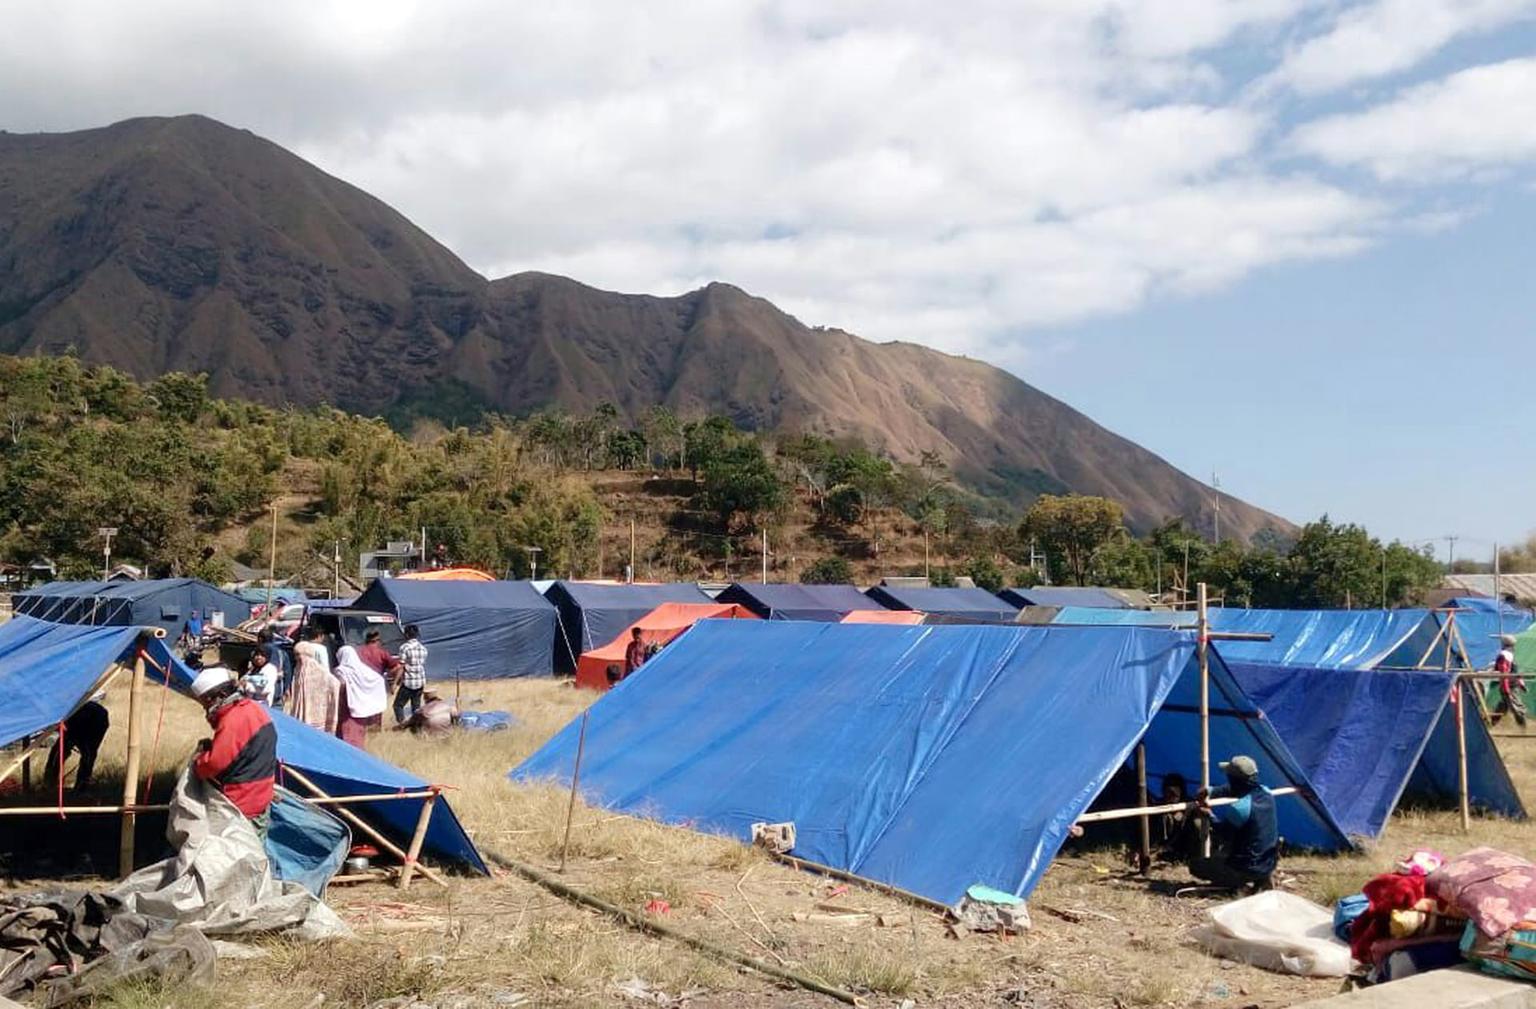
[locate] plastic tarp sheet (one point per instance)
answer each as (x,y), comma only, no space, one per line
(593,614)
(305,844)
(1277,931)
(1437,776)
(47,669)
(1064,595)
(1480,631)
(799,602)
(1323,639)
(475,630)
(342,769)
(1358,734)
(166,603)
(910,771)
(974,604)
(657,627)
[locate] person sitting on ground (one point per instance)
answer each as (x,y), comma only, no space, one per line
(241,758)
(436,717)
(258,682)
(83,732)
(1245,837)
(615,673)
(413,674)
(1169,827)
(1511,686)
(634,653)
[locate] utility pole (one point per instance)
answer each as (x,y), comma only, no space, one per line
(106,532)
(1216,486)
(423,548)
(765,556)
(630,577)
(1383,577)
(533,563)
(1450,560)
(272,559)
(336,571)
(925,554)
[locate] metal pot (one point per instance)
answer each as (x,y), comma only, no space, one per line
(357,865)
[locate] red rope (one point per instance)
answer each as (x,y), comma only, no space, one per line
(60,774)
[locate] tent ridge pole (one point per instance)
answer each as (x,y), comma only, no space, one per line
(130,769)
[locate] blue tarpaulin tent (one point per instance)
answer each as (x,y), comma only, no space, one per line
(1063,595)
(47,670)
(1480,630)
(592,614)
(977,605)
(473,630)
(1368,738)
(929,758)
(166,603)
(826,603)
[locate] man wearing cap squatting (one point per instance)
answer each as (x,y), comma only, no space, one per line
(1245,838)
(241,758)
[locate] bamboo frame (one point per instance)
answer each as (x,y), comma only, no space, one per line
(570,808)
(1172,807)
(131,771)
(102,683)
(1205,701)
(414,851)
(360,824)
(1144,856)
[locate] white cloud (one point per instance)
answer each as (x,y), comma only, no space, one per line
(1385,37)
(1469,124)
(954,174)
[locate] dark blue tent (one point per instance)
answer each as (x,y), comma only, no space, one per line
(48,670)
(1063,595)
(1369,738)
(591,614)
(473,630)
(826,603)
(971,605)
(166,603)
(930,758)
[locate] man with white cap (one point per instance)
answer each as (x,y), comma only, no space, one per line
(241,758)
(1245,836)
(1511,686)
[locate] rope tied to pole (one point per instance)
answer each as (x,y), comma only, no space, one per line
(59,771)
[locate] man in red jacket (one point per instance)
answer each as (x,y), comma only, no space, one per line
(241,758)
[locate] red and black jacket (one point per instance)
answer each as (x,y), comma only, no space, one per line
(242,761)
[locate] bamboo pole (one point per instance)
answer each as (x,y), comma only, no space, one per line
(414,851)
(570,807)
(874,884)
(631,576)
(272,562)
(1144,861)
(1203,646)
(360,824)
(652,927)
(1461,727)
(1173,807)
(159,807)
(130,770)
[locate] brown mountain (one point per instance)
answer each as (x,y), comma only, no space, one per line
(183,244)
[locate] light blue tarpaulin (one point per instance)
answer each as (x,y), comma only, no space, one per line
(1368,738)
(930,758)
(1064,595)
(472,630)
(592,615)
(1323,639)
(1480,630)
(166,603)
(305,844)
(798,602)
(972,604)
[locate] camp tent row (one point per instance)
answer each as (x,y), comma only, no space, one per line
(166,603)
(930,758)
(48,670)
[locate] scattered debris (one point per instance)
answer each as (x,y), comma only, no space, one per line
(984,909)
(657,906)
(776,837)
(642,991)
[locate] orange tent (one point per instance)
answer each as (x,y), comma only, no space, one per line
(449,575)
(659,626)
(906,617)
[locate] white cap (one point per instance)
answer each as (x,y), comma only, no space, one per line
(210,678)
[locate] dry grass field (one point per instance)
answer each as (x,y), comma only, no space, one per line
(1102,936)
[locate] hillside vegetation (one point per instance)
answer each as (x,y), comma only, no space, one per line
(191,483)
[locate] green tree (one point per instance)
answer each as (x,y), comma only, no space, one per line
(179,396)
(832,570)
(986,573)
(739,481)
(1071,529)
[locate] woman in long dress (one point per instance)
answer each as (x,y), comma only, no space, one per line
(363,697)
(316,697)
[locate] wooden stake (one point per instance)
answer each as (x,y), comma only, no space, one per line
(414,851)
(272,562)
(570,808)
(1145,855)
(130,771)
(360,824)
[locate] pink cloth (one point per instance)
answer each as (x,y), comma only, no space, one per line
(316,696)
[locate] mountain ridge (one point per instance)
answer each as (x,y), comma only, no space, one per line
(184,244)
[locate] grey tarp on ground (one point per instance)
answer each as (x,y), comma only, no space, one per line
(218,880)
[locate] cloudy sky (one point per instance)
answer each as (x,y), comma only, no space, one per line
(1285,241)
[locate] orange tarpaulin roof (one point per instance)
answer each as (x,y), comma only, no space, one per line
(906,617)
(659,626)
(449,575)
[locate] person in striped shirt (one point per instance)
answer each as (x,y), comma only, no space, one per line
(413,675)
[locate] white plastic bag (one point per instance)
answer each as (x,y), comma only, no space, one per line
(1276,931)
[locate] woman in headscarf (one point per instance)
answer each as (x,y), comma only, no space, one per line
(363,697)
(316,698)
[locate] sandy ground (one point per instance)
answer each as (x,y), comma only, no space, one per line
(1102,937)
